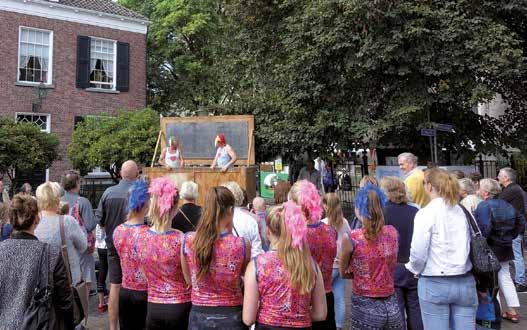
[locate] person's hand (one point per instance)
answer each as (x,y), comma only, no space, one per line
(224,169)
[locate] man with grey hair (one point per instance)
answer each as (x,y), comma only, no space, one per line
(500,223)
(514,194)
(467,192)
(188,215)
(414,178)
(245,224)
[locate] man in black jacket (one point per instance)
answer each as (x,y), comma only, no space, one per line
(112,211)
(514,194)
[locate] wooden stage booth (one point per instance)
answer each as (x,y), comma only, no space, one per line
(196,135)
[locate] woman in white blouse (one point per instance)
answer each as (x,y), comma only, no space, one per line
(440,256)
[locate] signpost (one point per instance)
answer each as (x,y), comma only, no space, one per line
(432,134)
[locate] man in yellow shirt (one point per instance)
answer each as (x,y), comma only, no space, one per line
(414,179)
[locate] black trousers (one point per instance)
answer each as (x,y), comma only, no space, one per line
(103,271)
(167,316)
(329,322)
(132,309)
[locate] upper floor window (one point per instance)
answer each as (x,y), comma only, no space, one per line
(102,63)
(35,51)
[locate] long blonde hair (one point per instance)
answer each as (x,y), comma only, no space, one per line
(297,260)
(217,202)
(446,186)
(334,214)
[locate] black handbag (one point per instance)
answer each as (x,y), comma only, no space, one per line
(38,313)
(481,255)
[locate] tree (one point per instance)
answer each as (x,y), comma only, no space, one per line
(25,148)
(184,46)
(374,72)
(107,142)
(333,74)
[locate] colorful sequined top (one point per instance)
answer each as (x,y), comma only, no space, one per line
(222,285)
(322,240)
(373,263)
(280,305)
(166,283)
(128,242)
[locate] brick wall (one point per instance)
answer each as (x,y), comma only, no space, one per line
(65,101)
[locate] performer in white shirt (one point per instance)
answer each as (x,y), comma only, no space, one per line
(172,155)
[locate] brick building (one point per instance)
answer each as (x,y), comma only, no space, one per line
(62,60)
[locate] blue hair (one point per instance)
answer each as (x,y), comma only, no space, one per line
(138,196)
(362,201)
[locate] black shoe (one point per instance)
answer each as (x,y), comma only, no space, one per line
(521,288)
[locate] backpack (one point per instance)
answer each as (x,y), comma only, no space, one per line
(76,213)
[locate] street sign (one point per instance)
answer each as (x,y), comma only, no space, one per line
(444,127)
(428,132)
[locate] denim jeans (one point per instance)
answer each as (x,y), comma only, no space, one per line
(339,292)
(519,264)
(448,302)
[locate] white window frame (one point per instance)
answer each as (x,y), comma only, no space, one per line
(47,130)
(50,65)
(114,64)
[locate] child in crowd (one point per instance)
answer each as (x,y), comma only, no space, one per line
(259,208)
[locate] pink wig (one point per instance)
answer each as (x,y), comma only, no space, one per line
(295,223)
(166,191)
(309,199)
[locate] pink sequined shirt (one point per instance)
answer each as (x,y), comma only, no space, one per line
(166,283)
(222,286)
(280,305)
(322,240)
(373,263)
(128,242)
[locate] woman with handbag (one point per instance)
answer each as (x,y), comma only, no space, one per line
(500,223)
(22,256)
(440,255)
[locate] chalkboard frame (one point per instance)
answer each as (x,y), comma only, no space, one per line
(248,119)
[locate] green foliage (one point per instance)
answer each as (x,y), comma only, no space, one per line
(333,74)
(24,147)
(104,141)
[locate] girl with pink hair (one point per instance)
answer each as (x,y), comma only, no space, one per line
(284,286)
(321,239)
(168,293)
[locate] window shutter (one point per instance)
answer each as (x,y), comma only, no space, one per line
(123,66)
(83,62)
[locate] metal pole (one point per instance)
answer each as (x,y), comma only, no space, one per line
(435,149)
(431,149)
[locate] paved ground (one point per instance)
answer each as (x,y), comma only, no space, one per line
(100,321)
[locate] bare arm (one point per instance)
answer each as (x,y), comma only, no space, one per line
(346,248)
(184,267)
(251,296)
(214,162)
(319,308)
(181,159)
(162,157)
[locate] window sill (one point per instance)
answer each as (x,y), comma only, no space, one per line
(30,84)
(102,90)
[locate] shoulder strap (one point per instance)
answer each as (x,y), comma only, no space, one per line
(471,221)
(64,249)
(186,218)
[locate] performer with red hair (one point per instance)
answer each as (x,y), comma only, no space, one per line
(225,155)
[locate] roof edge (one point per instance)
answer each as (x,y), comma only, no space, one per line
(79,9)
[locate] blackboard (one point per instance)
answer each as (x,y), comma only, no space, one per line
(196,135)
(197,139)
